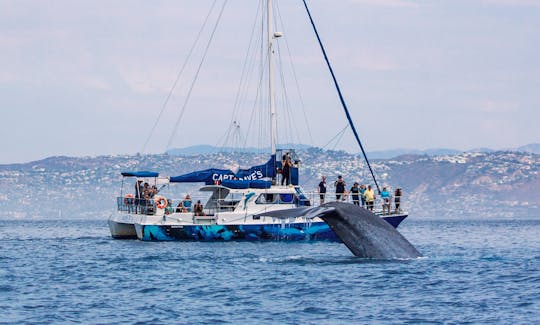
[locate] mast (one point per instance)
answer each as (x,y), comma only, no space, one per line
(273,119)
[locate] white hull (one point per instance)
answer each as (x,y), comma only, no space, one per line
(122,226)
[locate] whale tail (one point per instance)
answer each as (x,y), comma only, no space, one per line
(365,234)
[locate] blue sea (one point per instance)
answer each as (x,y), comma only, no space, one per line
(70,272)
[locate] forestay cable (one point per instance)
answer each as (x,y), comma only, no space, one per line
(341,96)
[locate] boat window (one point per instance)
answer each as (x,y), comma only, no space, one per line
(286,198)
(266,198)
(274,198)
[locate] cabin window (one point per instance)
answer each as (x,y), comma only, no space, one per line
(275,198)
(266,198)
(286,198)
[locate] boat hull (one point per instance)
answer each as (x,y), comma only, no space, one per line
(395,220)
(123,226)
(252,232)
(258,232)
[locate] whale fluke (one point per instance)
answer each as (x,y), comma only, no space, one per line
(365,234)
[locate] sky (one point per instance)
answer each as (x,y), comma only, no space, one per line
(86,78)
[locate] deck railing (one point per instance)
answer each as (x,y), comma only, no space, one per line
(148,207)
(379,205)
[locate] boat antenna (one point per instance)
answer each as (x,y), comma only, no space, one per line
(341,97)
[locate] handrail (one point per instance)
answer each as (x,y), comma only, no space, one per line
(148,207)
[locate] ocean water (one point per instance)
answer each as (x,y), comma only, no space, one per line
(473,271)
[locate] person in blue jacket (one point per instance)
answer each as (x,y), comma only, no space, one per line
(385,196)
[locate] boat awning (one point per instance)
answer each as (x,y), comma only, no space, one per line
(214,175)
(140,174)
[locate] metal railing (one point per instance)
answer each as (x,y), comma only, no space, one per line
(149,207)
(379,206)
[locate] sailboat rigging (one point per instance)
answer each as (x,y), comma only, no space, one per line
(342,100)
(238,199)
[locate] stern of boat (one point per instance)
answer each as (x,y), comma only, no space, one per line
(122,226)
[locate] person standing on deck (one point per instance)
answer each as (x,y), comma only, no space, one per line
(340,188)
(362,197)
(385,196)
(355,191)
(370,198)
(286,168)
(322,189)
(397,199)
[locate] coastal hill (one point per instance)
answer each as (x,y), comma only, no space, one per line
(499,184)
(380,154)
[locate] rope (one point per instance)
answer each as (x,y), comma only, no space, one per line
(178,77)
(341,96)
(243,79)
(241,93)
(293,69)
(196,76)
(335,136)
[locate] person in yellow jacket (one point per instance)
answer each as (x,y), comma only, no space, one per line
(369,195)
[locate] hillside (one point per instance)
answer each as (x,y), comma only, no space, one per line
(494,184)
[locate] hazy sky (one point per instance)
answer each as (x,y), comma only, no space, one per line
(90,78)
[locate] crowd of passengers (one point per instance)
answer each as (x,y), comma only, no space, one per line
(362,195)
(146,197)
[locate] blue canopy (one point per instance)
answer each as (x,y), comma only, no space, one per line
(212,175)
(140,174)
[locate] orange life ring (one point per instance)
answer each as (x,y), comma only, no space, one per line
(128,199)
(161,202)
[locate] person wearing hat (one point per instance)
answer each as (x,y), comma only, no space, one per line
(340,188)
(355,191)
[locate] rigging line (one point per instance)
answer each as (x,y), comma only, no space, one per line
(288,119)
(252,51)
(239,138)
(263,59)
(254,108)
(243,74)
(335,136)
(223,140)
(338,140)
(258,101)
(258,96)
(249,64)
(188,96)
(293,69)
(289,116)
(263,105)
(341,96)
(294,132)
(178,77)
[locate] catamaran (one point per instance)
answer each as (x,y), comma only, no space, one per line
(233,203)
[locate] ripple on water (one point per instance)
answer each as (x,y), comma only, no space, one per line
(54,272)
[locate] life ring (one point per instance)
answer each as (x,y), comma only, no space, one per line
(161,202)
(128,199)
